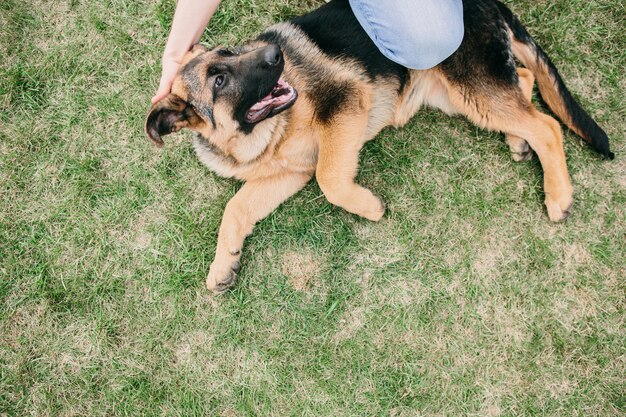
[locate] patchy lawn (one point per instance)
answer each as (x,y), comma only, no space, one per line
(464,300)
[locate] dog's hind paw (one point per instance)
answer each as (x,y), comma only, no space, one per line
(520,150)
(522,156)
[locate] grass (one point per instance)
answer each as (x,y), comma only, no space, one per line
(464,300)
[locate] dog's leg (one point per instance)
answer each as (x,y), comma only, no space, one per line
(545,137)
(520,151)
(252,203)
(337,166)
(506,110)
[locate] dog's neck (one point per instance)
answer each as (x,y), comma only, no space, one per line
(244,148)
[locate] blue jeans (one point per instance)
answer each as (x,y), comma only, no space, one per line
(417,34)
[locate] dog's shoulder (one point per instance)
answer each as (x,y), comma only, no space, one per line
(329,50)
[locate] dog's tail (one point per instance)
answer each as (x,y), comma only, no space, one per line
(552,87)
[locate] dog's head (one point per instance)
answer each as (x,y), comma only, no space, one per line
(220,93)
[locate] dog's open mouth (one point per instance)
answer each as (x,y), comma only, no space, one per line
(280,98)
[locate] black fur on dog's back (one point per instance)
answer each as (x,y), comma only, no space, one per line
(484,57)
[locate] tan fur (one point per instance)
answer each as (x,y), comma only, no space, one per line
(283,152)
(424,88)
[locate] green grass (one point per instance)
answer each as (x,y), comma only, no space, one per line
(464,300)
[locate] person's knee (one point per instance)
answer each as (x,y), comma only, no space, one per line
(418,37)
(426,49)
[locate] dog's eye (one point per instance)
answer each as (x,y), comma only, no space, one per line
(219,80)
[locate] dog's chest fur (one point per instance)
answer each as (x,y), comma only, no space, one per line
(260,157)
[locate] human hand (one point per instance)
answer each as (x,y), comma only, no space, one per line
(168,72)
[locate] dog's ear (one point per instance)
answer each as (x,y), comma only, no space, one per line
(195,50)
(169,115)
(198,48)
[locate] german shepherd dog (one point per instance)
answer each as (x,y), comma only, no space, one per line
(304,96)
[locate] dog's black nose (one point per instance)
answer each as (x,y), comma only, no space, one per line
(272,55)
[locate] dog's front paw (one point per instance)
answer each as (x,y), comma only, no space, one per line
(222,275)
(559,209)
(375,209)
(363,202)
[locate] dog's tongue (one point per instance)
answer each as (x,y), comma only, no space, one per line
(280,95)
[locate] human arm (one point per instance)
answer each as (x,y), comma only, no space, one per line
(190,20)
